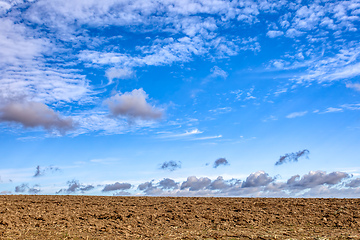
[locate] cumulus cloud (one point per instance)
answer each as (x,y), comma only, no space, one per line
(257,179)
(116,186)
(354,183)
(292,157)
(145,185)
(171,165)
(315,183)
(149,188)
(316,178)
(195,184)
(220,161)
(168,183)
(219,184)
(75,186)
(34,114)
(133,105)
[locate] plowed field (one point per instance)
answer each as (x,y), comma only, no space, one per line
(88,217)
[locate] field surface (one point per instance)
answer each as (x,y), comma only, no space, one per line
(88,217)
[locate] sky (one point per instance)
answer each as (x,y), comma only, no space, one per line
(180,98)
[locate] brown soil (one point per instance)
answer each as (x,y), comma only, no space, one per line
(85,217)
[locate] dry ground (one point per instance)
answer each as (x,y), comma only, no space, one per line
(88,217)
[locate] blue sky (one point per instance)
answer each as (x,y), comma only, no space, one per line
(180,98)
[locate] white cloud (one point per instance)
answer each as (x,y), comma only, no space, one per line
(293,33)
(181,135)
(274,34)
(297,114)
(208,137)
(221,110)
(122,73)
(355,86)
(133,105)
(332,109)
(4,7)
(218,72)
(354,106)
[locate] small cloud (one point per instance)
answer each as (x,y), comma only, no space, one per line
(180,135)
(119,73)
(297,114)
(149,188)
(39,172)
(25,187)
(221,110)
(355,86)
(5,193)
(171,165)
(75,186)
(332,110)
(207,138)
(270,118)
(133,105)
(274,34)
(34,190)
(292,157)
(279,64)
(220,161)
(122,193)
(34,114)
(22,188)
(117,186)
(218,72)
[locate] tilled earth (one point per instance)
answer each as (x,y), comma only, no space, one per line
(89,217)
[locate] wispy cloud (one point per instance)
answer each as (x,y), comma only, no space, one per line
(332,110)
(297,114)
(355,86)
(25,188)
(75,186)
(292,157)
(181,135)
(207,138)
(41,172)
